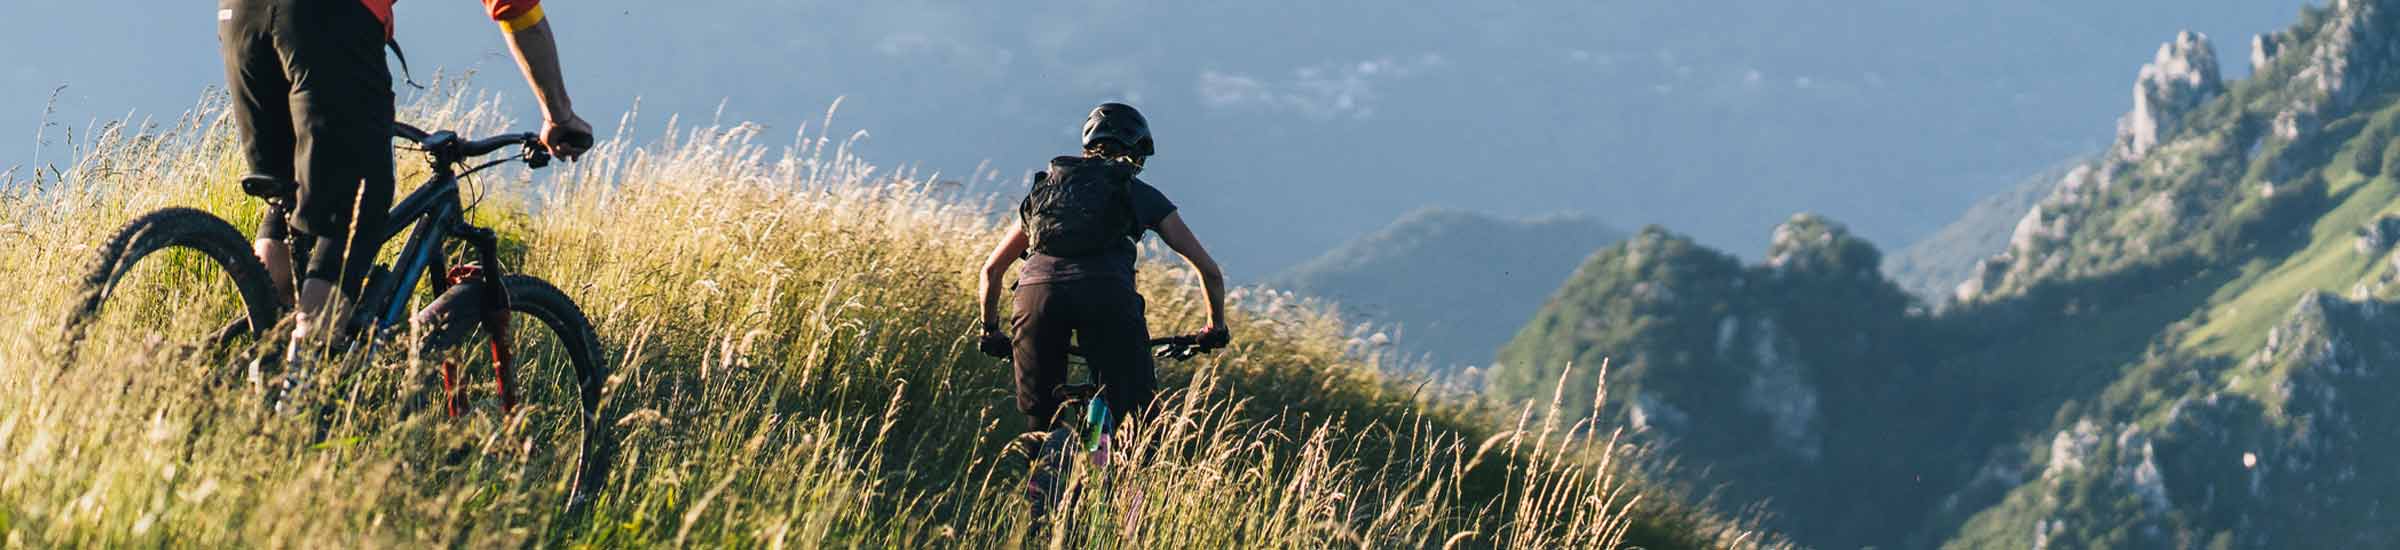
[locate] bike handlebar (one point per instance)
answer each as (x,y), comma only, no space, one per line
(1177,347)
(447,143)
(486,146)
(403,131)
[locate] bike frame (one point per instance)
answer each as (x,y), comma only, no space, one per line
(1175,348)
(434,214)
(1095,413)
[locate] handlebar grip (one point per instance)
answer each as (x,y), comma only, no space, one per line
(404,131)
(486,146)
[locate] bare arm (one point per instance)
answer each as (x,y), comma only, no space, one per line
(536,51)
(1212,280)
(996,268)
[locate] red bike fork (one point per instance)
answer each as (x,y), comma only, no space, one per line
(454,399)
(504,361)
(501,342)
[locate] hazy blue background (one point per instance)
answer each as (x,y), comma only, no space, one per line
(1286,128)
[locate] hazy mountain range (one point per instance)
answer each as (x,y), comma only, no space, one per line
(1288,128)
(1454,284)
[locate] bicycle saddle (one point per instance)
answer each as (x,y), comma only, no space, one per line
(1076,391)
(268,187)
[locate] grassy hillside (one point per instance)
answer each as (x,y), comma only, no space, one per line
(2179,346)
(791,367)
(1455,284)
(2247,423)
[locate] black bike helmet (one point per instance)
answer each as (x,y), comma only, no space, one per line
(1120,123)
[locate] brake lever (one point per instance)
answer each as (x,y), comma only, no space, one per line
(537,154)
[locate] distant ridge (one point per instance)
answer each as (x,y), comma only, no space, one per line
(1456,283)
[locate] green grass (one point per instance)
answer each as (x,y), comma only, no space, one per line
(791,368)
(2242,313)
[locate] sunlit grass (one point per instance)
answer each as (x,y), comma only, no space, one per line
(790,368)
(2245,311)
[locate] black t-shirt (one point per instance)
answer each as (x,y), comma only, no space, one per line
(1149,208)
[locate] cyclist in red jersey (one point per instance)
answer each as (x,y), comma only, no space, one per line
(312,98)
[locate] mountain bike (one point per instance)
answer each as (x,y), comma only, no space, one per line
(544,358)
(1082,432)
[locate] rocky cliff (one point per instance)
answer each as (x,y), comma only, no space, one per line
(1933,268)
(2183,344)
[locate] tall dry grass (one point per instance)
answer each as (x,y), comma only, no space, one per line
(790,369)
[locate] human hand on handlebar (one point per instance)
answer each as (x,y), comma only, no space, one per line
(1184,348)
(567,139)
(994,343)
(1215,337)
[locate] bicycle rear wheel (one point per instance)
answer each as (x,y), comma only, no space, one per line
(1050,473)
(181,294)
(554,430)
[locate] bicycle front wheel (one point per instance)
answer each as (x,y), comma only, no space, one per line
(553,430)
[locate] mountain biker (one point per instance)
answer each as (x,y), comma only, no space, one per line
(312,98)
(1077,233)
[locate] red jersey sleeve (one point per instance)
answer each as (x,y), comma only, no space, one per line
(515,14)
(383,12)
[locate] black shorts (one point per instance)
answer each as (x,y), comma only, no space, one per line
(1104,317)
(313,101)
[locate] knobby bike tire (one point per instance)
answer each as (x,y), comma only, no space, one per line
(544,302)
(186,228)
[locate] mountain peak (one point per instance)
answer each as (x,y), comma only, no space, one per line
(2187,158)
(1814,244)
(2353,52)
(2183,76)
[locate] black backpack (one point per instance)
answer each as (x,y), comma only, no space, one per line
(1082,207)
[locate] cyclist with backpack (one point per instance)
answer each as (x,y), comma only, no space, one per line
(312,99)
(1077,234)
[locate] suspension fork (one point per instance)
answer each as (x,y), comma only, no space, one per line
(495,314)
(485,275)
